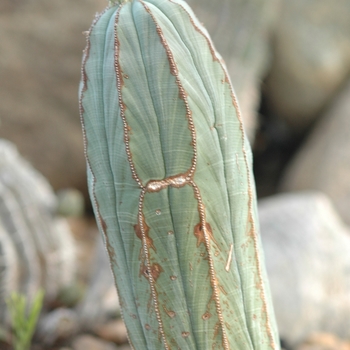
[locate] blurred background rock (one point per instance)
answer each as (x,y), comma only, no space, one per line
(41,49)
(289,62)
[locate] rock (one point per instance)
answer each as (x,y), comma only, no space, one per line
(324,341)
(311,58)
(323,162)
(308,263)
(113,331)
(240,31)
(41,50)
(58,324)
(88,342)
(37,250)
(7,5)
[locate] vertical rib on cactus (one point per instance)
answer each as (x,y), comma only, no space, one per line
(170,180)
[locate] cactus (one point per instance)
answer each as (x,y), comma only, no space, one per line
(169,173)
(36,248)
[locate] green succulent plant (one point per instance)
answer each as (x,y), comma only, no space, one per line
(24,317)
(169,173)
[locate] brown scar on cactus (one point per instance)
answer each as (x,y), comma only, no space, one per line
(200,235)
(149,240)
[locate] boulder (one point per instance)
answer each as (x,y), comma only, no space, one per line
(311,58)
(323,162)
(41,50)
(308,263)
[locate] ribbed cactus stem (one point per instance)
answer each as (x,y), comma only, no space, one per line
(169,171)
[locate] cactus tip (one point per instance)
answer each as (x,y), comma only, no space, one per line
(116,2)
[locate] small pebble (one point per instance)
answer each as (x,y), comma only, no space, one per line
(88,342)
(113,331)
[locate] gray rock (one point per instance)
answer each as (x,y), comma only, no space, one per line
(323,162)
(311,58)
(308,263)
(41,49)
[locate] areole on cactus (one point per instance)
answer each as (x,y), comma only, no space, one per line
(169,172)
